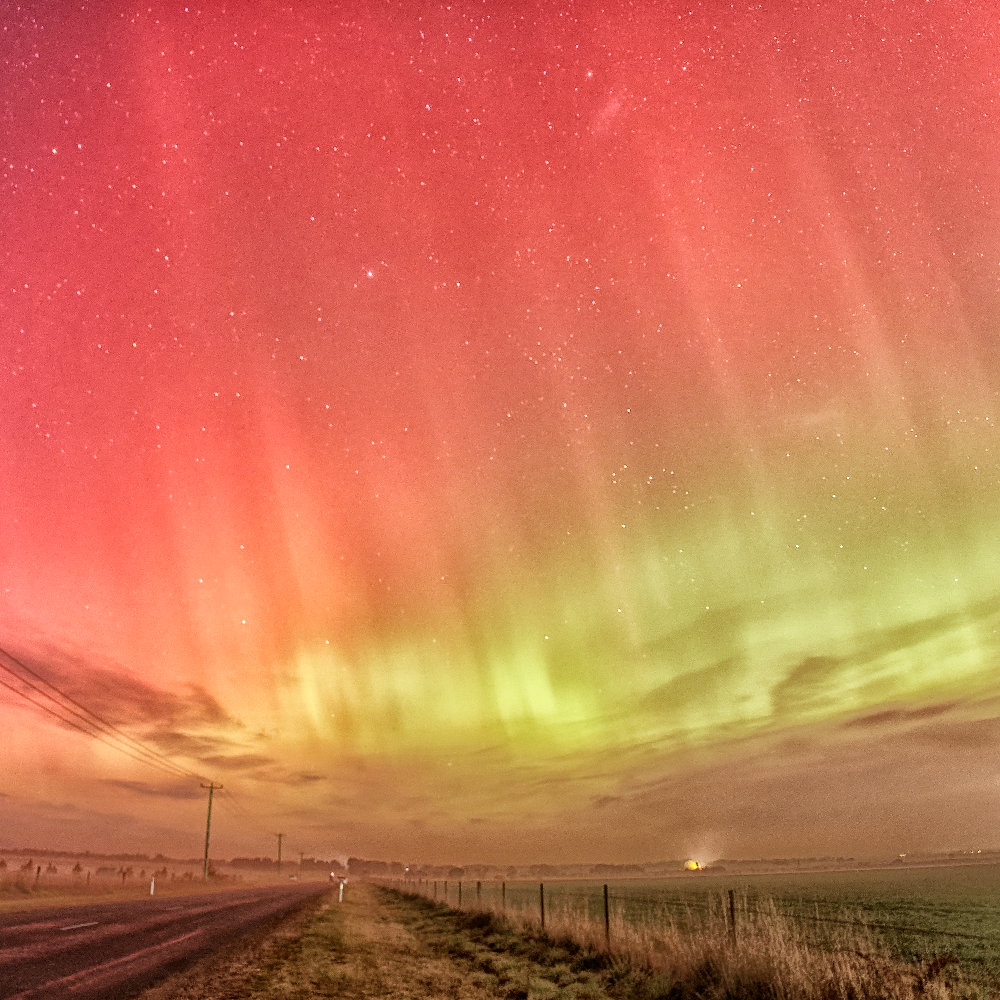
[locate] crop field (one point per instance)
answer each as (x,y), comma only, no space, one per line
(946,918)
(27,882)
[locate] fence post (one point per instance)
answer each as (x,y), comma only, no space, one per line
(435,889)
(732,917)
(446,890)
(460,894)
(479,892)
(607,919)
(541,901)
(503,895)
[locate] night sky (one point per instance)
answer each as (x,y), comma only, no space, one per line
(503,431)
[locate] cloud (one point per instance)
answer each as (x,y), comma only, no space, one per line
(729,659)
(867,786)
(178,791)
(603,801)
(188,722)
(119,696)
(238,762)
(176,741)
(697,693)
(887,664)
(959,735)
(203,707)
(900,716)
(808,683)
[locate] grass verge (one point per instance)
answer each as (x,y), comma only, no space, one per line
(380,943)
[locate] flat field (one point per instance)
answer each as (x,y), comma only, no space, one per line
(948,917)
(386,945)
(27,882)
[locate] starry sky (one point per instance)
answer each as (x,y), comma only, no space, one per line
(502,431)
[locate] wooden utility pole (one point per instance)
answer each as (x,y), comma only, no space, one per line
(279,836)
(211,786)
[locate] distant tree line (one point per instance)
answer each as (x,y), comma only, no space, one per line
(305,864)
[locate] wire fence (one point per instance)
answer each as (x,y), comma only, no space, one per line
(910,930)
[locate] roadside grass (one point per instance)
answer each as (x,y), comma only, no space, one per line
(772,957)
(381,943)
(378,944)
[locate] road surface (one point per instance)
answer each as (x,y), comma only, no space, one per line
(119,949)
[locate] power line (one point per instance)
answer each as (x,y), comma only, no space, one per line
(245,815)
(99,728)
(249,819)
(130,746)
(89,732)
(74,714)
(238,806)
(173,771)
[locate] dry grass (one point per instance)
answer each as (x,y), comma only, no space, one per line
(380,943)
(771,957)
(23,891)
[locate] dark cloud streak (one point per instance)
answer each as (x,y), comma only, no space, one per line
(179,791)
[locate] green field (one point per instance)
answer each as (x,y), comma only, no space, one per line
(951,914)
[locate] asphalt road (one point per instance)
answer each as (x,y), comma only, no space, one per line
(116,950)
